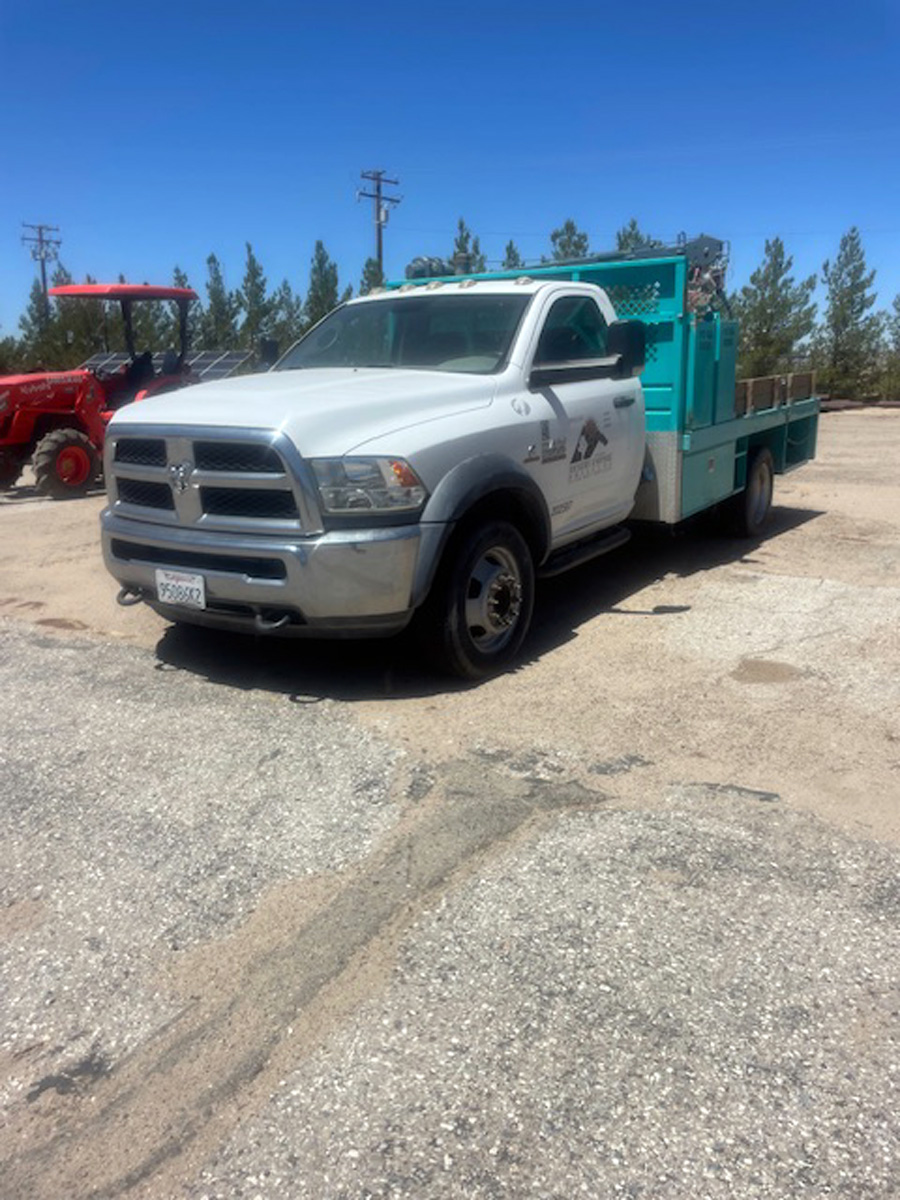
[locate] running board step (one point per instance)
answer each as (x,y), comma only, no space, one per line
(582,552)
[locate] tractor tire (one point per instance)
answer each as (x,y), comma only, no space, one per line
(10,469)
(478,612)
(66,464)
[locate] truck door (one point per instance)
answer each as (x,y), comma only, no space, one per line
(586,459)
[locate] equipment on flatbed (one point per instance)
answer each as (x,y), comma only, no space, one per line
(59,418)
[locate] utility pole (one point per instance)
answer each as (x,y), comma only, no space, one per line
(43,250)
(379,179)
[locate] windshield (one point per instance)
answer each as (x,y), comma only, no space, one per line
(439,333)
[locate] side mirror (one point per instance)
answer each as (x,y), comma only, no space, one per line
(267,351)
(628,340)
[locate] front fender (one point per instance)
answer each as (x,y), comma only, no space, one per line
(468,483)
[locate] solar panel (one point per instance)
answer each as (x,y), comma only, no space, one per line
(106,361)
(204,364)
(219,364)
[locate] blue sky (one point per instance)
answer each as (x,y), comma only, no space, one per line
(154,134)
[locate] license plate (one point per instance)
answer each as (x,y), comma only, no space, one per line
(182,588)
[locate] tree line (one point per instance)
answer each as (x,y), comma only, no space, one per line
(69,331)
(854,349)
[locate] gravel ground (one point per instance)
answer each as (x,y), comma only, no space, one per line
(701,1001)
(291,921)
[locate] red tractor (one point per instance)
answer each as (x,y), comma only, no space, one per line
(58,419)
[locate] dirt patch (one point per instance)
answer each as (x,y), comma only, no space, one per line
(761,670)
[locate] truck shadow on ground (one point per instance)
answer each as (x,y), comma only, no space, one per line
(311,671)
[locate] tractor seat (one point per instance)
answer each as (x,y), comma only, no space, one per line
(139,370)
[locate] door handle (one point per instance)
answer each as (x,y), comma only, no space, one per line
(623,401)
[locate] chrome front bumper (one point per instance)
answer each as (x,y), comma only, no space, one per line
(350,583)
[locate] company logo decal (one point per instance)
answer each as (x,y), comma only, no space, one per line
(585,461)
(588,441)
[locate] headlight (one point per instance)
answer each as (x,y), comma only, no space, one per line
(379,485)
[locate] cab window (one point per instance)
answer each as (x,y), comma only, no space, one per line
(574,329)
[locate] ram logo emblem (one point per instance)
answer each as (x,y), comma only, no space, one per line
(180,475)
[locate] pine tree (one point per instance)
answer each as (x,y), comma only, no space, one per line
(322,293)
(71,332)
(467,257)
(372,277)
(512,259)
(150,323)
(850,333)
(891,375)
(10,356)
(171,334)
(631,237)
(39,332)
(775,314)
(254,303)
(287,316)
(218,324)
(569,241)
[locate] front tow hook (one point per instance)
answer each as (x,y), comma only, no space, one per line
(129,595)
(269,624)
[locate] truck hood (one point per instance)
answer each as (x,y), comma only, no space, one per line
(324,412)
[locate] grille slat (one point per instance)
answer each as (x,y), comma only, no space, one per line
(141,452)
(147,495)
(263,504)
(234,564)
(237,458)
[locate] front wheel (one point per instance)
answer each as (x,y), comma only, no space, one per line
(753,505)
(65,463)
(10,469)
(479,610)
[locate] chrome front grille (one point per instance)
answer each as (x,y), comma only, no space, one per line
(215,480)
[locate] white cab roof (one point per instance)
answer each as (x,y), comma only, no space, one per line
(474,287)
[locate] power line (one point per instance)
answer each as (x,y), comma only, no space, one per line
(381,210)
(43,250)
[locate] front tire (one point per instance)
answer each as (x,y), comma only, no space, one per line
(10,469)
(66,464)
(479,610)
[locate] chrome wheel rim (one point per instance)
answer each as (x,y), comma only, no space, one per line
(493,602)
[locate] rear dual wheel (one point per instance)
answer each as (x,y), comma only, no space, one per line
(753,506)
(66,464)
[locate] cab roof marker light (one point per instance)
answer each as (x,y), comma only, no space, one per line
(524,279)
(434,285)
(467,283)
(407,287)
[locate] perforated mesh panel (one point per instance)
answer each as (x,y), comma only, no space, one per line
(634,300)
